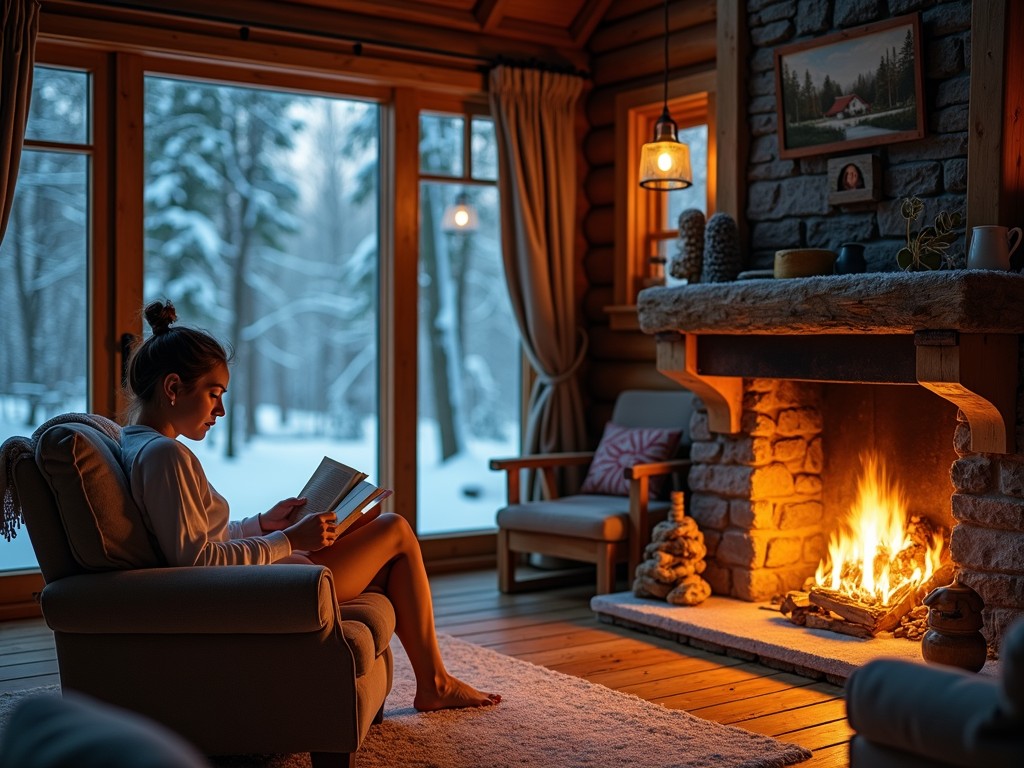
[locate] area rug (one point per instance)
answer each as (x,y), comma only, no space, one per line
(767,634)
(546,720)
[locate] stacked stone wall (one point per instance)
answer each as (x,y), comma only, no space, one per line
(757,495)
(987,542)
(788,198)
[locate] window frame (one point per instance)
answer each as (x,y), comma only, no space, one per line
(19,587)
(446,551)
(120,52)
(691,101)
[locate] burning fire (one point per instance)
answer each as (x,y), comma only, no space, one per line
(879,553)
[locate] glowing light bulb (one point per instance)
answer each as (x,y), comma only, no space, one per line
(461,217)
(664,161)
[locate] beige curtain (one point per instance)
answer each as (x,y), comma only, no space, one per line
(534,117)
(17,56)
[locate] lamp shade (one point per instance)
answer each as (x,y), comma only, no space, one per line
(665,162)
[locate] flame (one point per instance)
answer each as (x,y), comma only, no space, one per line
(873,556)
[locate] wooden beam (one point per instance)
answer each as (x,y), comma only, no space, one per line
(731,118)
(1011,205)
(339,65)
(490,13)
(985,135)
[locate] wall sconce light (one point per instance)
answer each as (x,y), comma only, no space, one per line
(665,162)
(460,216)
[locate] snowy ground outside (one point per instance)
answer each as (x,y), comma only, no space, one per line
(460,494)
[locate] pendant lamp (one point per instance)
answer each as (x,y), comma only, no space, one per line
(665,162)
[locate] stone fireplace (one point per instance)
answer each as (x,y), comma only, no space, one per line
(798,378)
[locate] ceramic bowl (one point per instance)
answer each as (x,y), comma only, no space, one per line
(804,262)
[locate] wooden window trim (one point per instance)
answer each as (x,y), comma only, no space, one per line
(635,215)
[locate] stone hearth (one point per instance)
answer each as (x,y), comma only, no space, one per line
(756,633)
(795,375)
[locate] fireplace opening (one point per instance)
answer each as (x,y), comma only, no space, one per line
(881,563)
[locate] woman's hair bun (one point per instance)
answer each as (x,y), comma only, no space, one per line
(160,315)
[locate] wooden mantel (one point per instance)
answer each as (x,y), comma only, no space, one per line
(955,332)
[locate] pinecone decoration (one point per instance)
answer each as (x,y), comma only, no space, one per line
(722,260)
(688,259)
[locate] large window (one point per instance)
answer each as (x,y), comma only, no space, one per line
(468,343)
(44,258)
(261,226)
(263,204)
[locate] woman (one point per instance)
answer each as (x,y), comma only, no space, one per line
(850,177)
(177,379)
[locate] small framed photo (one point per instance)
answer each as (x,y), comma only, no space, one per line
(853,179)
(861,87)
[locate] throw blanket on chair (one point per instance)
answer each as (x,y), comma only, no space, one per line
(13,447)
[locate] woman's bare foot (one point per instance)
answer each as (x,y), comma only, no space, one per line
(452,693)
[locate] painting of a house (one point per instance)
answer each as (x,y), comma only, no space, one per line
(847,106)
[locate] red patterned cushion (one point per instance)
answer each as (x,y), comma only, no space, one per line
(622,447)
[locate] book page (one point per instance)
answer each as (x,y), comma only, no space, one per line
(328,486)
(367,508)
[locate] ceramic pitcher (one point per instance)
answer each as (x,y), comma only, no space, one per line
(991,248)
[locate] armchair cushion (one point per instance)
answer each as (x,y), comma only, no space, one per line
(104,527)
(622,447)
(583,516)
(944,714)
(53,731)
(368,622)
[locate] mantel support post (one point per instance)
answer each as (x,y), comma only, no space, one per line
(723,395)
(977,373)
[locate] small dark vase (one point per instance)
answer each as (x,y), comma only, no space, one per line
(851,259)
(954,621)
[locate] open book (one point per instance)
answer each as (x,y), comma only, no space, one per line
(346,491)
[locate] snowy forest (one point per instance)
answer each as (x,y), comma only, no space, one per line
(261,224)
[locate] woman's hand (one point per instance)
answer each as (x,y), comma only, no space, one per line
(281,515)
(312,532)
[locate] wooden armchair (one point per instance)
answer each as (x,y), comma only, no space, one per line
(599,528)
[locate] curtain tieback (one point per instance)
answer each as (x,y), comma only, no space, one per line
(561,378)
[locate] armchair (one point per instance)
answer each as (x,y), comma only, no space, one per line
(238,660)
(600,528)
(910,715)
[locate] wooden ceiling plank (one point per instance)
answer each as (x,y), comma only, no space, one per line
(587,19)
(490,14)
(433,13)
(628,30)
(620,9)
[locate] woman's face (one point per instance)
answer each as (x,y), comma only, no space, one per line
(197,408)
(851,178)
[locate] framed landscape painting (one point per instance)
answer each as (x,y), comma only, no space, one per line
(857,88)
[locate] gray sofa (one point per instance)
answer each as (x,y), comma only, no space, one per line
(237,660)
(915,715)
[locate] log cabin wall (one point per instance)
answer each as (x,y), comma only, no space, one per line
(627,52)
(787,204)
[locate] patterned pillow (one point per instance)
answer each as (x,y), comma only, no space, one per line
(622,447)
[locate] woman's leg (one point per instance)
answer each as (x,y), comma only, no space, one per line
(386,553)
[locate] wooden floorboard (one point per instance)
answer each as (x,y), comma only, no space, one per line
(555,628)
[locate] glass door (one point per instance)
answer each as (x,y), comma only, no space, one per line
(261,225)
